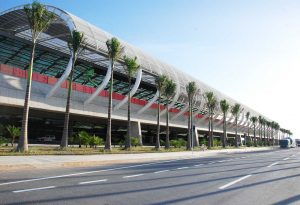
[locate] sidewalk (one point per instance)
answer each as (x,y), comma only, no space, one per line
(52,161)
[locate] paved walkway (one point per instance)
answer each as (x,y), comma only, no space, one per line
(48,161)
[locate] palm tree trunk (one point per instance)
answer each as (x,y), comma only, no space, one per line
(167,145)
(65,136)
(108,134)
(157,146)
(255,142)
(224,131)
(23,140)
(128,139)
(209,130)
(212,130)
(188,145)
(236,136)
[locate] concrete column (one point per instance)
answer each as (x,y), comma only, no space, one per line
(136,131)
(196,138)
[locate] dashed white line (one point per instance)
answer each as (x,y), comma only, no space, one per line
(234,182)
(211,162)
(198,165)
(95,181)
(273,164)
(34,189)
(182,168)
(131,176)
(286,158)
(161,171)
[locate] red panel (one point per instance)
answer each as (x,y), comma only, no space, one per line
(35,76)
(87,89)
(93,90)
(79,87)
(42,78)
(6,69)
(52,80)
(64,84)
(154,106)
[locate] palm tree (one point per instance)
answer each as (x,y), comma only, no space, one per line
(131,67)
(224,108)
(169,90)
(114,49)
(277,127)
(211,103)
(191,90)
(248,126)
(160,83)
(235,111)
(254,120)
(39,19)
(260,122)
(268,132)
(264,126)
(13,132)
(272,131)
(76,47)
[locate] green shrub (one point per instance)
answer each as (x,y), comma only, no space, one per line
(3,140)
(162,143)
(217,143)
(203,141)
(249,143)
(135,141)
(84,138)
(121,143)
(178,143)
(95,140)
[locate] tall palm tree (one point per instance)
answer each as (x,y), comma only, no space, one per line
(260,122)
(169,90)
(114,49)
(268,131)
(264,127)
(248,127)
(254,121)
(272,132)
(211,104)
(236,111)
(277,127)
(160,84)
(191,90)
(131,67)
(224,108)
(39,19)
(76,47)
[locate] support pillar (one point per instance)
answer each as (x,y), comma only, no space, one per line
(136,131)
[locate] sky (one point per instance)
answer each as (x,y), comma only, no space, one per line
(249,50)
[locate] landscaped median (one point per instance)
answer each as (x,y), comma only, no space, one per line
(51,157)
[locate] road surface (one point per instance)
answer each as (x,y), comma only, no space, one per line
(265,177)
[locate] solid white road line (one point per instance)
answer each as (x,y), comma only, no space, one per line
(131,176)
(234,182)
(34,189)
(198,165)
(273,164)
(89,172)
(286,158)
(161,171)
(90,182)
(182,168)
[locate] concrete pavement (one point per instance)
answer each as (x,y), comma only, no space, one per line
(54,161)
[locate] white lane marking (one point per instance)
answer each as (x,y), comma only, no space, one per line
(211,162)
(234,182)
(243,157)
(34,189)
(182,168)
(293,155)
(286,158)
(198,165)
(161,171)
(273,164)
(95,181)
(131,176)
(89,172)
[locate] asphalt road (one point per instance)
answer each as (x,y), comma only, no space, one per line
(268,177)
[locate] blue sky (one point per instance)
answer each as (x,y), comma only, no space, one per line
(249,50)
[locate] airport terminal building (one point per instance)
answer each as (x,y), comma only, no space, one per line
(52,66)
